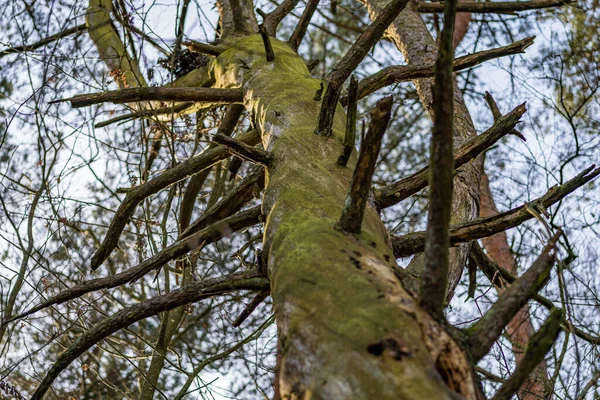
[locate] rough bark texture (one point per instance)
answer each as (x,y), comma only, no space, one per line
(519,329)
(348,328)
(411,36)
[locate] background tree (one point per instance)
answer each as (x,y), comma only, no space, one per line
(153,195)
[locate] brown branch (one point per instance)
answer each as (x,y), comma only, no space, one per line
(45,41)
(400,190)
(204,48)
(208,235)
(483,334)
(272,20)
(243,150)
(231,203)
(539,344)
(520,329)
(392,75)
(498,276)
(249,309)
(350,135)
(191,293)
(497,114)
(492,6)
(190,167)
(356,200)
(209,95)
(434,278)
(413,243)
(298,34)
(267,43)
(174,109)
(350,61)
(228,124)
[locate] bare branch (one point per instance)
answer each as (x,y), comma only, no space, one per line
(488,329)
(302,25)
(413,243)
(400,190)
(350,61)
(539,344)
(196,94)
(181,247)
(228,124)
(497,114)
(40,43)
(498,276)
(219,356)
(492,6)
(392,75)
(191,293)
(272,20)
(190,167)
(231,203)
(204,48)
(590,384)
(267,42)
(354,207)
(350,135)
(243,150)
(249,309)
(109,44)
(174,109)
(441,174)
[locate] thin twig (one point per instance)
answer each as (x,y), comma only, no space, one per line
(396,192)
(243,150)
(413,243)
(539,344)
(483,334)
(191,293)
(249,309)
(45,41)
(174,109)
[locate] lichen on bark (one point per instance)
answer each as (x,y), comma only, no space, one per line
(348,328)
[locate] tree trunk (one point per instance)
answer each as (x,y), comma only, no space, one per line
(348,328)
(413,39)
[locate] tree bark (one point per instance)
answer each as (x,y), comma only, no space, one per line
(348,328)
(413,39)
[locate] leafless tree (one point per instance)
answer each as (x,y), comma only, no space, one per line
(176,205)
